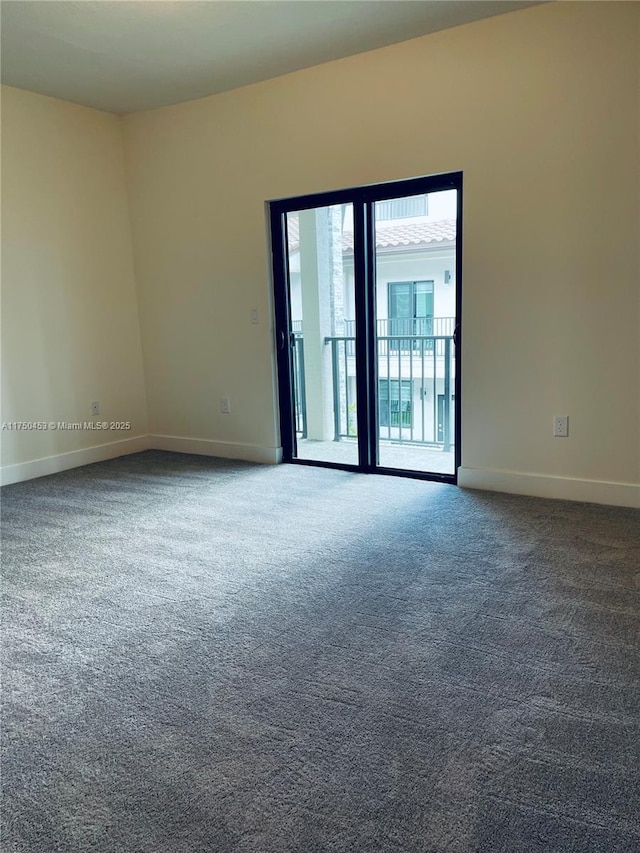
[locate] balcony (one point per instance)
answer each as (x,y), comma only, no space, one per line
(416,381)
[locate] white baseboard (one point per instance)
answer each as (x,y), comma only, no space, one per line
(76,458)
(537,485)
(543,486)
(73,459)
(224,449)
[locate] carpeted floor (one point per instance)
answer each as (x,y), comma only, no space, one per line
(204,655)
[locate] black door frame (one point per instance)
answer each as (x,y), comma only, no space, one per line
(363,200)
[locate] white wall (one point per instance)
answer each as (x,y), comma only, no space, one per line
(539,109)
(70,327)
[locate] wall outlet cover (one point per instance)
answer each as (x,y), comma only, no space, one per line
(561,426)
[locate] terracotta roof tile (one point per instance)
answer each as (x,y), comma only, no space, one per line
(392,235)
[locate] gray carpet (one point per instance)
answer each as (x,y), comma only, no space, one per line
(203,655)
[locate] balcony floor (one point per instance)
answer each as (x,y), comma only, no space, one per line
(403,456)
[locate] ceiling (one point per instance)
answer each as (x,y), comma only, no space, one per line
(127,55)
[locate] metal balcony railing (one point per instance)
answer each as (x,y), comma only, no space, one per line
(416,372)
(299,386)
(406,327)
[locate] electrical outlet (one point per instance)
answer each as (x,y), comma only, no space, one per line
(254,316)
(95,408)
(561,426)
(225,405)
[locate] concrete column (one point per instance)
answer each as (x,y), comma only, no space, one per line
(322,311)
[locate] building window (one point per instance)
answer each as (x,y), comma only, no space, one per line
(410,308)
(394,401)
(402,208)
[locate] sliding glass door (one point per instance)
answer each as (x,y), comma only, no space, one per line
(367,295)
(415,275)
(321,334)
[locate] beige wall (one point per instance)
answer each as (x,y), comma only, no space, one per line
(70,329)
(539,108)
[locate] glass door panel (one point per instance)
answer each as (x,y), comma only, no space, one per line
(415,266)
(366,297)
(322,336)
